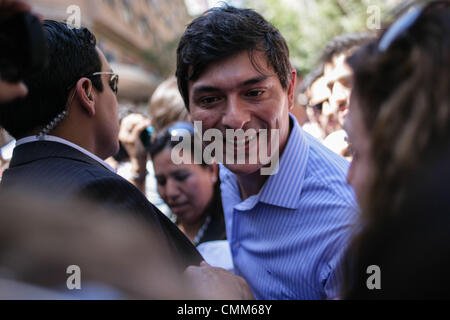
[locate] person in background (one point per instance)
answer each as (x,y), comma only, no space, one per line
(166,106)
(399,130)
(316,93)
(338,79)
(299,109)
(192,192)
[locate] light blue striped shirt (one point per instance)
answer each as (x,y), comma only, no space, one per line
(287,240)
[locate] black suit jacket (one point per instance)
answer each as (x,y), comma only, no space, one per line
(66,172)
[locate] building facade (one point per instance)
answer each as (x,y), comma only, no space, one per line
(138,37)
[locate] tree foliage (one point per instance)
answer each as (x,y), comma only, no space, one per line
(308,25)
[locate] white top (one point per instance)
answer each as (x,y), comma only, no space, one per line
(217,254)
(68,143)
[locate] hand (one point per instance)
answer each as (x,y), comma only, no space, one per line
(206,282)
(130,129)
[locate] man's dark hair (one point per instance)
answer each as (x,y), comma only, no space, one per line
(345,43)
(71,55)
(222,32)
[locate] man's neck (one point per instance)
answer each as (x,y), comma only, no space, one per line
(251,184)
(75,139)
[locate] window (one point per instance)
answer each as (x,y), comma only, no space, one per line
(128,11)
(143,26)
(111,3)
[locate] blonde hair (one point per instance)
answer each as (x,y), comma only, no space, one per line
(166,105)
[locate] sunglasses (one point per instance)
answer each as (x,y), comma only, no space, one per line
(401,26)
(317,107)
(179,129)
(113,81)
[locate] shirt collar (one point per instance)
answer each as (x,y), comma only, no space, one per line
(68,143)
(282,189)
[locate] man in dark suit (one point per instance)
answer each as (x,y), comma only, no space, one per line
(65,127)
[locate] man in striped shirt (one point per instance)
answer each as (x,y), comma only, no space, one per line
(287,229)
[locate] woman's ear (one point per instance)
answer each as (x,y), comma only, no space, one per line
(85,96)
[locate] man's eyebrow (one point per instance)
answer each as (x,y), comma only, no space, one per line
(206,88)
(253,81)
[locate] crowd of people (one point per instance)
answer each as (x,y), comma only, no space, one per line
(359,154)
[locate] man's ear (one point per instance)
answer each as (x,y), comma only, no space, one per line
(85,95)
(291,88)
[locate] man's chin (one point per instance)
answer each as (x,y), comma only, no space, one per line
(115,149)
(244,169)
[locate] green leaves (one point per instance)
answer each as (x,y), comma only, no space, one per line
(308,25)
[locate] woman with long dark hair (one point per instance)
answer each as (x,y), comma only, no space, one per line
(399,129)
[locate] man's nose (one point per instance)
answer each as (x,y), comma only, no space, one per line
(236,114)
(331,106)
(339,95)
(328,108)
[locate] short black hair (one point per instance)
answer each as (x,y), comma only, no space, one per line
(345,43)
(225,31)
(71,55)
(309,79)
